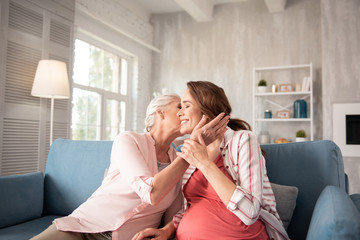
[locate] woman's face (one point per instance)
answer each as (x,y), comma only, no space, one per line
(172,121)
(189,114)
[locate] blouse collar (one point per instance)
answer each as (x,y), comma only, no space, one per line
(170,151)
(227,138)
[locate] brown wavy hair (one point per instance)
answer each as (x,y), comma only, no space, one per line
(212,101)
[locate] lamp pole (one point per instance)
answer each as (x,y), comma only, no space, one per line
(51,119)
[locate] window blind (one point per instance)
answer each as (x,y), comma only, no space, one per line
(31,33)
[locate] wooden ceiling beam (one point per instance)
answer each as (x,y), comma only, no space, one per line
(200,10)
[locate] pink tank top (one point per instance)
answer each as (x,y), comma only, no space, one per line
(207,216)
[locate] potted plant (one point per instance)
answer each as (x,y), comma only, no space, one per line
(300,136)
(262,86)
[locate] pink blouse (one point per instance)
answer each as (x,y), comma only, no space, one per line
(122,203)
(253,197)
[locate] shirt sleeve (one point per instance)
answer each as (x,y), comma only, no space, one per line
(128,159)
(246,199)
(174,208)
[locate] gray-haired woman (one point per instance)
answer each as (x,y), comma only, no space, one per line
(143,181)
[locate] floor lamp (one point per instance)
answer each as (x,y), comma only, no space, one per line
(51,81)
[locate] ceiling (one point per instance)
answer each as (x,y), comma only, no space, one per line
(200,10)
(168,6)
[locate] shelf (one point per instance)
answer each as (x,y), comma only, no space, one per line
(276,101)
(283,119)
(282,67)
(281,93)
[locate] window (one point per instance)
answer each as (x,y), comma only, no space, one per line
(99,99)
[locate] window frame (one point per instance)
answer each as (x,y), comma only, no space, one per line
(106,95)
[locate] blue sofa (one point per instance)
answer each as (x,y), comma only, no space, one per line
(74,169)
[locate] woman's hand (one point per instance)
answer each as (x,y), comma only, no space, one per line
(151,233)
(212,130)
(195,153)
(158,234)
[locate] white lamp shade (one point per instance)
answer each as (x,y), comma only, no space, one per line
(51,80)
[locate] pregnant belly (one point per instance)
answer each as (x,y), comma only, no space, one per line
(207,219)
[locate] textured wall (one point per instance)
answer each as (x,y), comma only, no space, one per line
(117,13)
(341,68)
(241,36)
(245,35)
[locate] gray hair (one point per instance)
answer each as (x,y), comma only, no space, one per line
(156,104)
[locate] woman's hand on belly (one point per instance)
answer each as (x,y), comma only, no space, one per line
(157,234)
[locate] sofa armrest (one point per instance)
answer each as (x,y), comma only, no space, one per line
(21,198)
(334,217)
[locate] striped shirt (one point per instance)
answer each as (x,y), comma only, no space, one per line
(253,197)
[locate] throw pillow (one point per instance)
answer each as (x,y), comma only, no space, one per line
(285,197)
(335,216)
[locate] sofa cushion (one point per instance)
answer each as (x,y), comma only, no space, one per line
(27,230)
(21,198)
(334,217)
(74,170)
(285,197)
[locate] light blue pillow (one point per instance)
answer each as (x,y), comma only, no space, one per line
(335,217)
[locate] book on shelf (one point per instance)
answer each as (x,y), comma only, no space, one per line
(306,84)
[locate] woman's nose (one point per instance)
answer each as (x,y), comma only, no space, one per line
(179,113)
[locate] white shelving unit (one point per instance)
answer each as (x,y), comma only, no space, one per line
(276,101)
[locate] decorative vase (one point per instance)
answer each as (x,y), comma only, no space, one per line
(268,113)
(264,137)
(300,110)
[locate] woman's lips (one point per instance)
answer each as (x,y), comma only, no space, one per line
(184,121)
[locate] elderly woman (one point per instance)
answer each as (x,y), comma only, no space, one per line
(227,191)
(142,183)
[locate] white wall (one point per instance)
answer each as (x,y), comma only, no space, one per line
(341,68)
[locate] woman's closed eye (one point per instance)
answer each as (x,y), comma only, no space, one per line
(184,106)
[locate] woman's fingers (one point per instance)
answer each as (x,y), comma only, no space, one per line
(201,123)
(147,233)
(222,122)
(214,128)
(222,128)
(201,140)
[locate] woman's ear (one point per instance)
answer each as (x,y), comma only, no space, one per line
(161,113)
